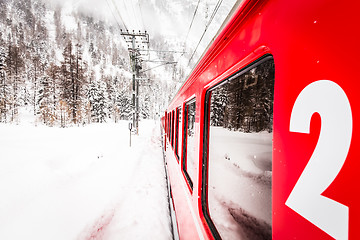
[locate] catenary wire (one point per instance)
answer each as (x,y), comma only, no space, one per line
(117,10)
(117,22)
(135,17)
(141,15)
(192,20)
(206,28)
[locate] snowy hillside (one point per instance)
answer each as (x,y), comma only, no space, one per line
(66,62)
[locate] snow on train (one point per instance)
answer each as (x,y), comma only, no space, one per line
(262,138)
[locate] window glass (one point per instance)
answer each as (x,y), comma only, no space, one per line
(178,121)
(168,125)
(189,158)
(173,129)
(240,154)
(165,122)
(169,136)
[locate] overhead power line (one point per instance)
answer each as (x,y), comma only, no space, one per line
(192,20)
(159,61)
(162,51)
(117,10)
(206,27)
(135,15)
(126,10)
(141,15)
(117,22)
(157,66)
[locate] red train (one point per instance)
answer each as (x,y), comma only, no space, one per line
(261,140)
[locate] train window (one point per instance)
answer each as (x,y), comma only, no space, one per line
(169,125)
(170,128)
(238,169)
(170,133)
(178,121)
(165,123)
(189,142)
(173,129)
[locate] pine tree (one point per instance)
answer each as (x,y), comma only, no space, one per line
(72,78)
(145,107)
(97,100)
(124,105)
(4,88)
(53,72)
(15,64)
(77,85)
(45,97)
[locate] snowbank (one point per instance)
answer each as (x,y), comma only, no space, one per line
(82,183)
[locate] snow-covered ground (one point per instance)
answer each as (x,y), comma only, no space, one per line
(82,183)
(240,176)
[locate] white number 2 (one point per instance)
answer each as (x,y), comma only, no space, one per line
(330,101)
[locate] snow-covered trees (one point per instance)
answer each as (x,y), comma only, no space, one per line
(72,69)
(4,89)
(123,105)
(245,103)
(66,74)
(218,103)
(14,70)
(97,101)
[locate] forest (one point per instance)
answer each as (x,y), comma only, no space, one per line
(66,68)
(244,102)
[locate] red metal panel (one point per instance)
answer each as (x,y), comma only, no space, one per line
(310,41)
(319,45)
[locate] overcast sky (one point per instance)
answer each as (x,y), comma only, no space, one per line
(169,18)
(142,15)
(130,12)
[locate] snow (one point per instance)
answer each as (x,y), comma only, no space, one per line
(244,159)
(82,183)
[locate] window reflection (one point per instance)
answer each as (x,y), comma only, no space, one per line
(240,154)
(189,161)
(172,127)
(178,121)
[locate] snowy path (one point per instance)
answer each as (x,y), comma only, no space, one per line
(82,183)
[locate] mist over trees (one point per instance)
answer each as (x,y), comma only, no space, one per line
(66,68)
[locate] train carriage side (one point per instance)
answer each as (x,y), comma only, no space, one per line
(261,139)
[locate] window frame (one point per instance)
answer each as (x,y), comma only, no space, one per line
(205,150)
(184,143)
(169,134)
(168,126)
(178,113)
(173,127)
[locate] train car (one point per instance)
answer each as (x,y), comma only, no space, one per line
(261,140)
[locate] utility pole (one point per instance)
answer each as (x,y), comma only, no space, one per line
(134,52)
